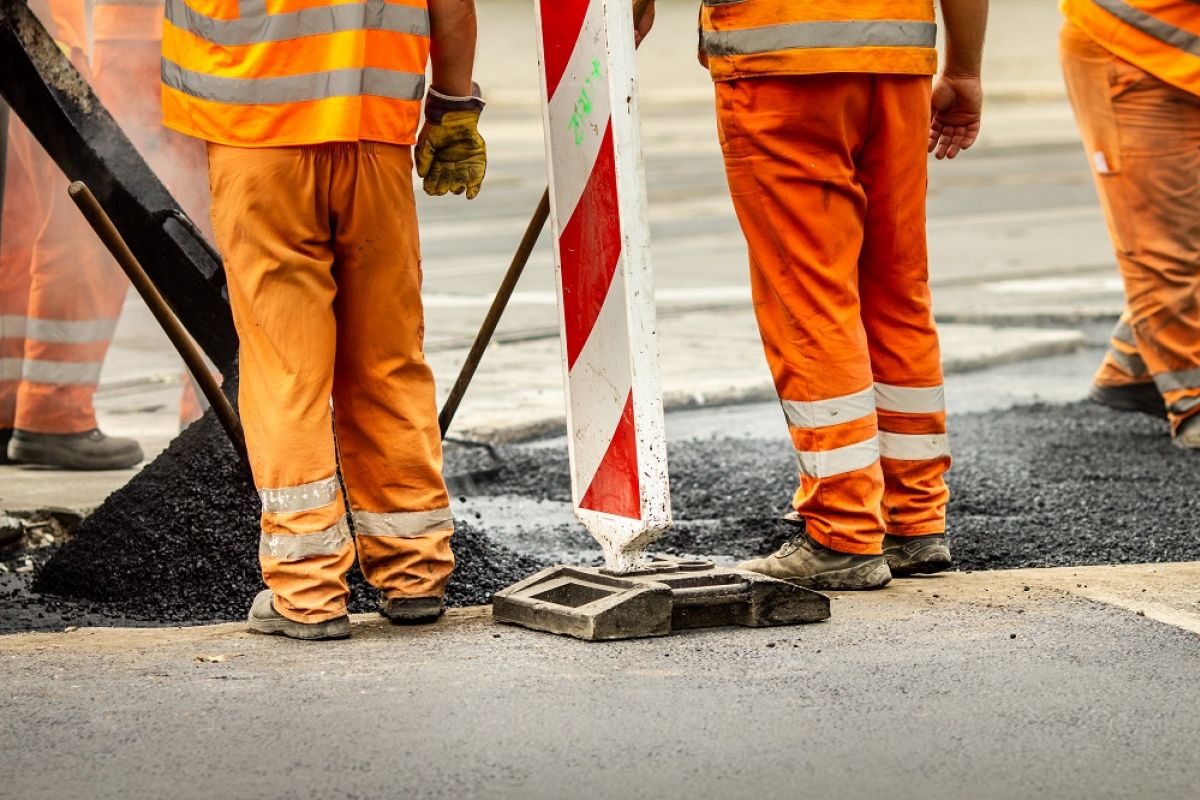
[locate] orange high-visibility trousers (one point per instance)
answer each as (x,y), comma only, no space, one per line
(828,176)
(1143,142)
(323,263)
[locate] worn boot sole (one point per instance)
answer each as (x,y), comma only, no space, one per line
(870,575)
(1188,437)
(337,628)
(413,610)
(53,455)
(1140,400)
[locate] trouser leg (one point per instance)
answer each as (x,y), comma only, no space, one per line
(386,411)
(897,309)
(271,214)
(789,145)
(23,212)
(1143,141)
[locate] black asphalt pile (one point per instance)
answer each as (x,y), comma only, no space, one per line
(180,543)
(1032,486)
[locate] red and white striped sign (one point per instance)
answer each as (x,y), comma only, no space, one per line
(606,299)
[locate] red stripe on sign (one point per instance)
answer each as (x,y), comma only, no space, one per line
(562,21)
(589,249)
(615,488)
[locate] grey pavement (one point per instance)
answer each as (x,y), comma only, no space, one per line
(1063,683)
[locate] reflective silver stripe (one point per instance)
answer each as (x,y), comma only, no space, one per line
(12,326)
(1184,405)
(1178,381)
(304,497)
(66,373)
(295,88)
(823,413)
(10,369)
(840,460)
(913,447)
(1123,334)
(402,523)
(1152,26)
(63,331)
(805,35)
(256,26)
(139,3)
(1131,364)
(910,399)
(292,547)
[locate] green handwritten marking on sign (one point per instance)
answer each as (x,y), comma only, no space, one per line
(583,104)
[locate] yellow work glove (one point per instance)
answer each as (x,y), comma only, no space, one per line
(451,155)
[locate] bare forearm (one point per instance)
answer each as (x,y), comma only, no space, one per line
(965,22)
(452,45)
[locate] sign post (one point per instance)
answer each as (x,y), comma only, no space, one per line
(602,258)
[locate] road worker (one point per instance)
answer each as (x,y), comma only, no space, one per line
(60,297)
(310,111)
(823,114)
(1132,69)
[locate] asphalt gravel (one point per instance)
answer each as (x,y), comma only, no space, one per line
(1038,485)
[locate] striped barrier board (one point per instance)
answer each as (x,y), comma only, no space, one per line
(602,257)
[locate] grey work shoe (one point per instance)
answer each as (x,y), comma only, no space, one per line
(411,610)
(912,555)
(81,451)
(265,619)
(1143,398)
(1188,435)
(803,562)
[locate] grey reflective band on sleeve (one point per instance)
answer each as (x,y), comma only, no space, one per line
(834,411)
(1180,381)
(295,88)
(807,35)
(304,497)
(1152,26)
(293,547)
(910,399)
(838,461)
(257,27)
(67,373)
(402,524)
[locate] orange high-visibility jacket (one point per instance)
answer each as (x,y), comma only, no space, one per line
(127,20)
(67,22)
(743,38)
(274,73)
(1160,36)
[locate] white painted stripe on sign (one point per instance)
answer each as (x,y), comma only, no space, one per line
(913,447)
(910,399)
(403,524)
(305,497)
(65,373)
(579,113)
(65,331)
(838,461)
(834,411)
(293,547)
(598,386)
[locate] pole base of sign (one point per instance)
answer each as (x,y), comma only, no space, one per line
(665,596)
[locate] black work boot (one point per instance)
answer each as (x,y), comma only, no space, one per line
(83,451)
(912,555)
(804,562)
(1143,398)
(1188,435)
(265,619)
(5,438)
(411,610)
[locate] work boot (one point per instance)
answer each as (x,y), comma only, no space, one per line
(265,619)
(912,555)
(5,438)
(1144,398)
(804,562)
(83,451)
(1188,435)
(411,610)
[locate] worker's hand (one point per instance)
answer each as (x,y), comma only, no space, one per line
(957,108)
(451,155)
(643,20)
